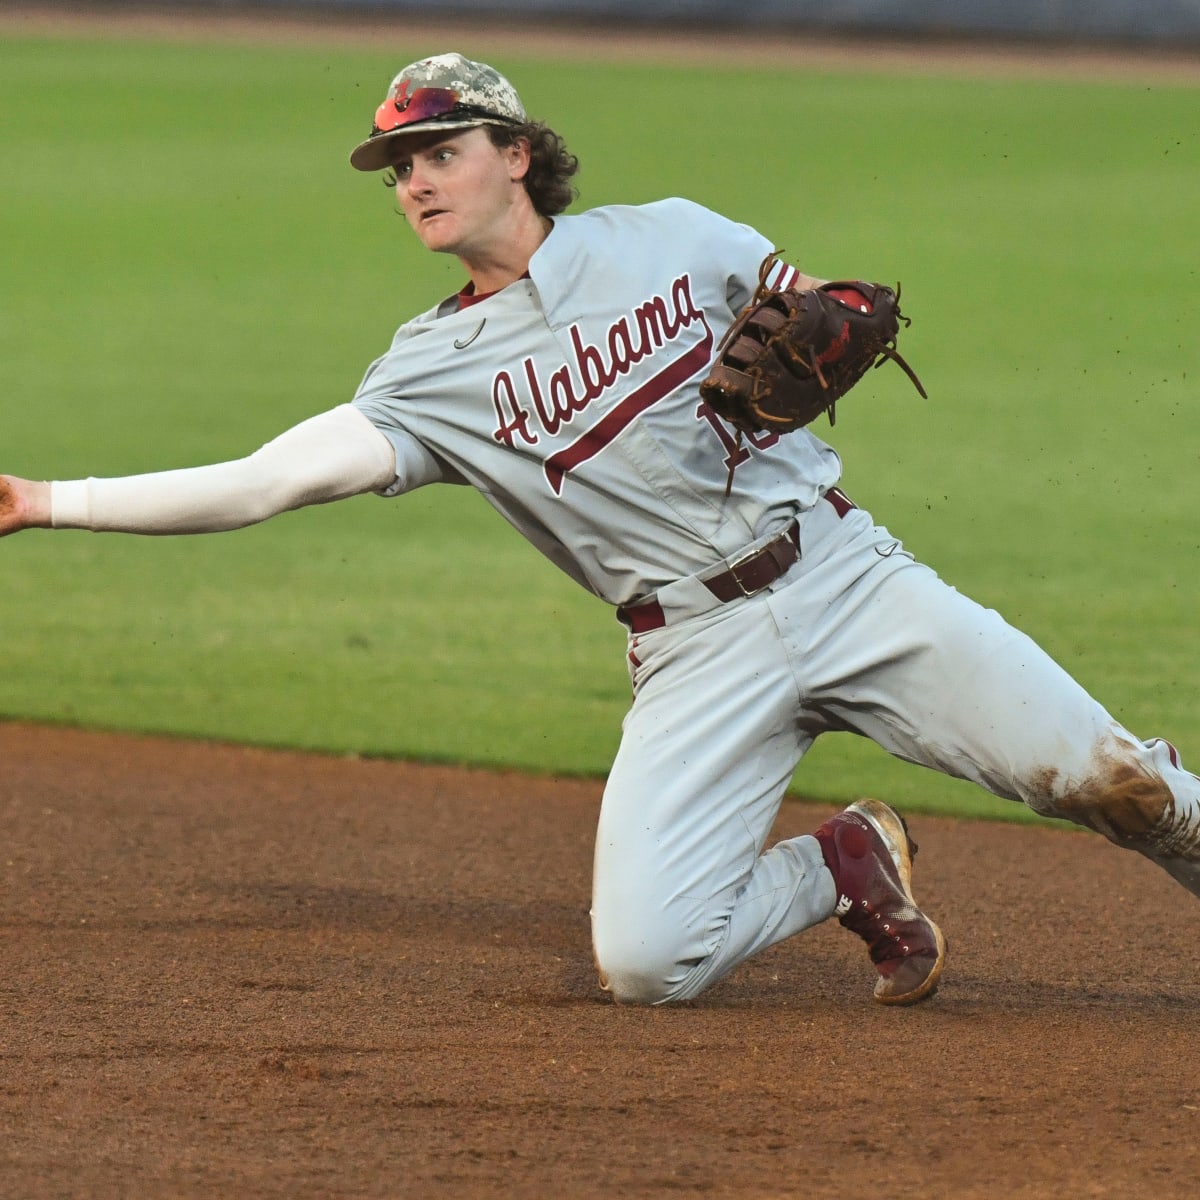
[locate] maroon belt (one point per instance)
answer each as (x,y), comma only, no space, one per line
(744,577)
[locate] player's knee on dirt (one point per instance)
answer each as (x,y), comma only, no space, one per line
(637,967)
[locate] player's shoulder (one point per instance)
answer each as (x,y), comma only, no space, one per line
(673,213)
(414,326)
(674,229)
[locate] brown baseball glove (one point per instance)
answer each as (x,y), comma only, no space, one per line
(791,355)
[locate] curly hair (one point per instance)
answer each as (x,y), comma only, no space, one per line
(551,167)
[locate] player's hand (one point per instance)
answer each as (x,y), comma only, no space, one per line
(24,504)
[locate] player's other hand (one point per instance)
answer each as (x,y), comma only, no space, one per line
(24,504)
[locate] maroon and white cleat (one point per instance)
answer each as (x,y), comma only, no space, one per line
(869,854)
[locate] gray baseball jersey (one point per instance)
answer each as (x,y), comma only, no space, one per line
(570,400)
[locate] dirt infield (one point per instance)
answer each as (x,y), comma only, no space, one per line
(236,972)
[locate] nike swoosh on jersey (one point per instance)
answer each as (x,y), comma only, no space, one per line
(463,343)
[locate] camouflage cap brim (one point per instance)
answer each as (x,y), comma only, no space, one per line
(377,152)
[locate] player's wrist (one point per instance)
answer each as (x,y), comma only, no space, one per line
(24,504)
(37,501)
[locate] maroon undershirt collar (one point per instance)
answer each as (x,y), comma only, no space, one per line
(469,295)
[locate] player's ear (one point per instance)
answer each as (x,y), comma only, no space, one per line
(518,155)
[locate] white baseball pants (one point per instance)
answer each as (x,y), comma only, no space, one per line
(856,637)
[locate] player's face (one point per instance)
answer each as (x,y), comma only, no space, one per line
(459,192)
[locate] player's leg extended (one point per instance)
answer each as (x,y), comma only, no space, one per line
(934,678)
(682,889)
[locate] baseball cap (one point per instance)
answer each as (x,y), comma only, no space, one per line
(443,92)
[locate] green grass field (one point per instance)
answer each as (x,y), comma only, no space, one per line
(190,266)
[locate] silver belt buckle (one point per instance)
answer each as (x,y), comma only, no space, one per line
(745,558)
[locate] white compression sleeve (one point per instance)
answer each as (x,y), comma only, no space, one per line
(330,456)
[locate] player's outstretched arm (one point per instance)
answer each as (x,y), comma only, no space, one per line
(328,457)
(24,504)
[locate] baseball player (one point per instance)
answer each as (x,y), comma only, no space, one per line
(763,607)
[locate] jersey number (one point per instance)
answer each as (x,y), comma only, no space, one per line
(735,450)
